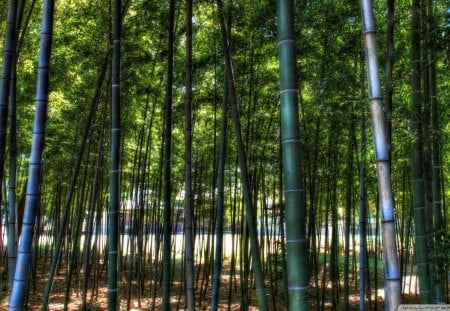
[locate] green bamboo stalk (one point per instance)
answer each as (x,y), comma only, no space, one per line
(189,196)
(391,269)
(90,220)
(12,181)
(76,236)
(348,210)
(242,159)
(114,185)
(7,89)
(72,185)
(362,216)
(5,82)
(296,248)
(20,288)
(166,271)
(389,71)
(12,234)
(417,173)
(439,286)
(220,203)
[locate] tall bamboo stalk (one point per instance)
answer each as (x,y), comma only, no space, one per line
(5,82)
(391,269)
(220,203)
(166,271)
(20,288)
(296,248)
(242,160)
(189,197)
(114,186)
(417,159)
(389,71)
(348,211)
(12,181)
(72,185)
(12,233)
(362,215)
(438,229)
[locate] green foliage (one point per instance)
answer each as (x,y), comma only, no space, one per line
(330,79)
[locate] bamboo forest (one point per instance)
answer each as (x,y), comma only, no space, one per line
(224,155)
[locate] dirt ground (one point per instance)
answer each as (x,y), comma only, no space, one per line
(99,300)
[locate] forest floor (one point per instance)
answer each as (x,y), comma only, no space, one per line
(99,301)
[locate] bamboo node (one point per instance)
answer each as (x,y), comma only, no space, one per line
(419,207)
(286,41)
(369,31)
(293,190)
(297,288)
(296,240)
(290,140)
(385,221)
(288,90)
(375,98)
(382,160)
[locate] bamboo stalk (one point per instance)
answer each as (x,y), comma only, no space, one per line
(296,247)
(21,277)
(114,186)
(391,270)
(242,160)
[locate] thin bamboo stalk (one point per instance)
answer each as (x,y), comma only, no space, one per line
(220,204)
(189,196)
(12,181)
(5,82)
(166,271)
(114,185)
(8,91)
(71,190)
(242,160)
(362,216)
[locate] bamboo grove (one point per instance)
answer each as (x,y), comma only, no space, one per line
(224,155)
